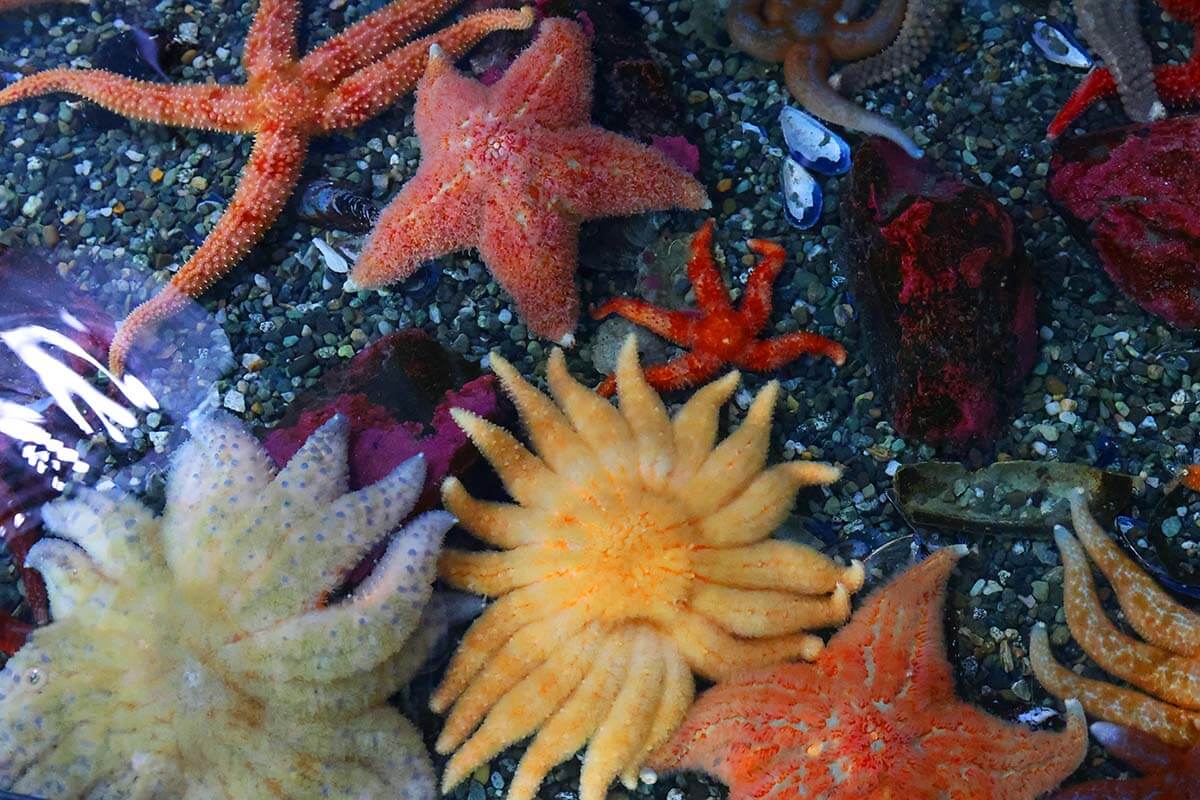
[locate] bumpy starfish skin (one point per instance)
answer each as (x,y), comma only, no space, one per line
(875,717)
(512,170)
(637,553)
(807,36)
(1169,773)
(1166,666)
(719,334)
(283,103)
(1177,85)
(196,655)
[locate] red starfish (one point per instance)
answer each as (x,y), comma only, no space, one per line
(718,334)
(512,170)
(285,102)
(1169,773)
(1178,84)
(875,717)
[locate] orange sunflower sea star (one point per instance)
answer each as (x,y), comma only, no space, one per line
(718,334)
(285,102)
(513,169)
(874,718)
(637,554)
(1166,665)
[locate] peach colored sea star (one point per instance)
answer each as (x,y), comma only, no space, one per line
(1166,666)
(638,552)
(284,103)
(718,334)
(512,170)
(875,717)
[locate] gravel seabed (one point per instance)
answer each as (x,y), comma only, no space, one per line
(116,205)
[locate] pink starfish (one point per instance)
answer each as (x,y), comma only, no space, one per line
(512,170)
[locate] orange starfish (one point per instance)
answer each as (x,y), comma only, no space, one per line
(284,102)
(875,717)
(718,334)
(512,170)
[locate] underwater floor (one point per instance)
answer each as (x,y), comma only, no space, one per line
(112,207)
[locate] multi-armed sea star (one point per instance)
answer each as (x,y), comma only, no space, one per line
(875,717)
(512,170)
(284,102)
(808,35)
(718,334)
(1164,666)
(638,553)
(1112,28)
(198,654)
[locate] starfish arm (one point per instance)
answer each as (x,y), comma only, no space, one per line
(646,415)
(736,461)
(717,655)
(1136,748)
(1097,85)
(550,83)
(753,35)
(923,19)
(1177,86)
(678,692)
(1149,609)
(766,612)
(437,212)
(499,524)
(370,38)
(1110,789)
(677,373)
(763,505)
(494,573)
(263,189)
(771,354)
(852,41)
(696,426)
(201,106)
(755,307)
(573,724)
(596,173)
(712,295)
(1173,725)
(527,705)
(806,69)
(774,564)
(271,40)
(1113,30)
(364,93)
(532,252)
(675,326)
(595,419)
(626,726)
(526,477)
(1173,678)
(525,651)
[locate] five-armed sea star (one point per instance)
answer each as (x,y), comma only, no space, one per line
(808,35)
(875,717)
(512,170)
(1164,666)
(284,102)
(1178,85)
(718,334)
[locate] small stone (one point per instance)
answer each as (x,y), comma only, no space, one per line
(235,401)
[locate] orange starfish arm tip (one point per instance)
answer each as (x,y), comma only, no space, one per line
(1191,477)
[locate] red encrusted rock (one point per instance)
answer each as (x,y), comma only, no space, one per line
(397,394)
(1136,189)
(945,293)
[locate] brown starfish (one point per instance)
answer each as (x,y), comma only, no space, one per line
(284,103)
(807,36)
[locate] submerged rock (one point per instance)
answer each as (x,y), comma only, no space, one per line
(945,292)
(1136,192)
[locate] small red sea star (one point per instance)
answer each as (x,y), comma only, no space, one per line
(718,334)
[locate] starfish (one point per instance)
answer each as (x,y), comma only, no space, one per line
(16,5)
(808,35)
(1141,88)
(198,654)
(875,717)
(1164,666)
(638,552)
(284,103)
(511,170)
(1169,773)
(718,334)
(1190,477)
